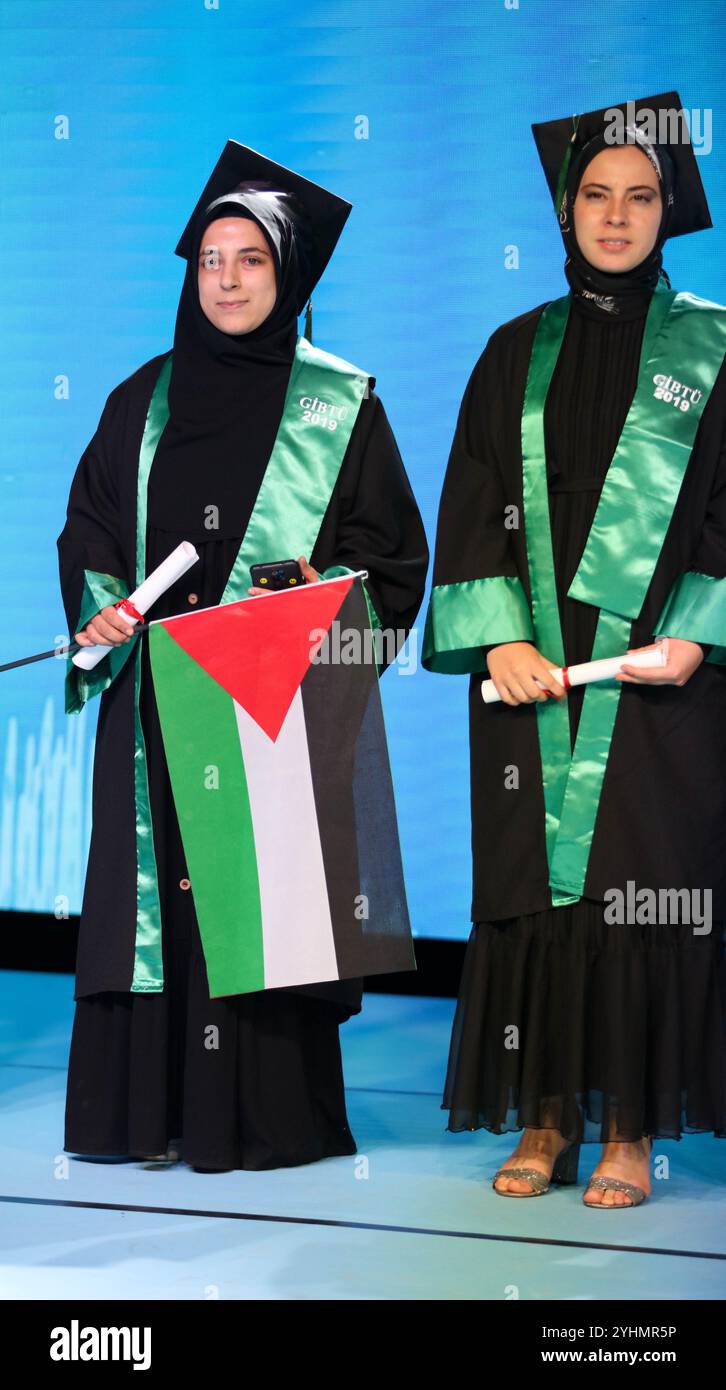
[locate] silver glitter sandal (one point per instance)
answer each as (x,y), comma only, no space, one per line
(564,1171)
(631,1189)
(602,1183)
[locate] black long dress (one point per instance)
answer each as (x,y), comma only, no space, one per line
(621,1029)
(141,1074)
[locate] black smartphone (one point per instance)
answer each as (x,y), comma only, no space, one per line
(279,574)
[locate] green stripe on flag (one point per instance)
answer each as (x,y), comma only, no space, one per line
(208,780)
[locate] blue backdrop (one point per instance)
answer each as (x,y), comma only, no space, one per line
(113,113)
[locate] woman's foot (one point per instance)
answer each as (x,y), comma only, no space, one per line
(629,1163)
(537,1148)
(171,1155)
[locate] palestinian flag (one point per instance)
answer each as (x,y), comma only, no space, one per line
(279,769)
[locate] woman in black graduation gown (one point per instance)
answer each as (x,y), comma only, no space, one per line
(141,1077)
(571,1024)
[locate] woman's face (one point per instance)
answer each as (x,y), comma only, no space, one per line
(236,275)
(618,208)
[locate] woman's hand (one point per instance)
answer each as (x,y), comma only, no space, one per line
(683,659)
(107,628)
(310,576)
(513,667)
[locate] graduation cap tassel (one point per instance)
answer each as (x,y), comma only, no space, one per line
(565,166)
(309,321)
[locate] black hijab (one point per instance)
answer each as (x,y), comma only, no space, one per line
(227,390)
(616,292)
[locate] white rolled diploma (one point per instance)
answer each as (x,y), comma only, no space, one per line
(592,670)
(155,584)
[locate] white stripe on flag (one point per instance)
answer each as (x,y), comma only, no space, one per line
(297,932)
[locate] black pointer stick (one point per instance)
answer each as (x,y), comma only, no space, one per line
(57,651)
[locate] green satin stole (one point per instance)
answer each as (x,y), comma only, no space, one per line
(322,401)
(684,342)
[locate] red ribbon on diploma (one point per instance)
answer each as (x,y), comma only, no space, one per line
(126,606)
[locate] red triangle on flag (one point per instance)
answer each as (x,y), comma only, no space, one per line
(259,648)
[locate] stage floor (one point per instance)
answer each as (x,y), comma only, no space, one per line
(411,1216)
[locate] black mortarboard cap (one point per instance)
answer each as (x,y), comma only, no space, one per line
(326,212)
(659,119)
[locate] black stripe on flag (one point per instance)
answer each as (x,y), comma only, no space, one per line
(355,806)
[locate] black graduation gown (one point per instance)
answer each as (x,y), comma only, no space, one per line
(621,1029)
(141,1072)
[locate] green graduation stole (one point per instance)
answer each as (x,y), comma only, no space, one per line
(636,504)
(322,401)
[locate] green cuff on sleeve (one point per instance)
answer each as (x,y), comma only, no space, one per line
(696,611)
(463,618)
(99,590)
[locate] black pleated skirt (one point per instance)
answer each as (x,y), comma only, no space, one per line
(603,1032)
